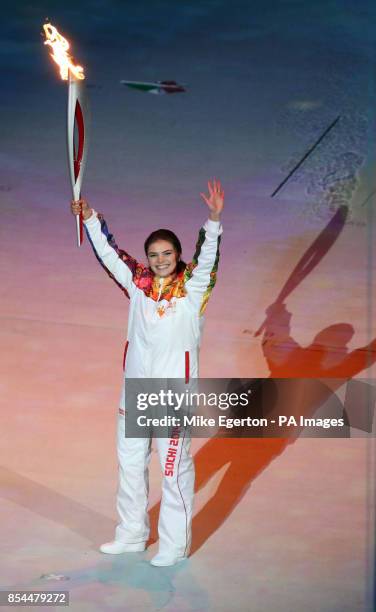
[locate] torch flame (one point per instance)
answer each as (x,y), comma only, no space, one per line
(60,54)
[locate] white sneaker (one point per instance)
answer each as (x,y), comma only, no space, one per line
(116,547)
(163,560)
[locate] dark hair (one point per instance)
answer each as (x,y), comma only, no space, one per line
(169,236)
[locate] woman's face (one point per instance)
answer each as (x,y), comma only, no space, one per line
(162,258)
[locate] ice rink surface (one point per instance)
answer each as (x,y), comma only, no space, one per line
(278,526)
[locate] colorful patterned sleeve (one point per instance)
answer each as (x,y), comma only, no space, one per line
(119,265)
(201,274)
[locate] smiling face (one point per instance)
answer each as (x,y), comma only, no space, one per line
(162,258)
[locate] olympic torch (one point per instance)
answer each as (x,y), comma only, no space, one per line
(77,116)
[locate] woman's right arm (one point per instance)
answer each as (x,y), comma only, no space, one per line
(119,265)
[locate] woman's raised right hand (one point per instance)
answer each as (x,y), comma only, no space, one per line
(78,206)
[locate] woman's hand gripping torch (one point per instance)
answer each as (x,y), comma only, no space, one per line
(77,117)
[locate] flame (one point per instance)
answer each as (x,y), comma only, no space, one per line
(60,54)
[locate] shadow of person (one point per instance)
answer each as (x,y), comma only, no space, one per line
(327,357)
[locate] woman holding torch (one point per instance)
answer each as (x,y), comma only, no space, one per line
(167,302)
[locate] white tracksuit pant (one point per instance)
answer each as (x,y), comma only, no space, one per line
(164,330)
(174,527)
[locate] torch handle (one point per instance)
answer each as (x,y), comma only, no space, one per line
(79,229)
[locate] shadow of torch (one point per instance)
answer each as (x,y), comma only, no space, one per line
(77,117)
(311,258)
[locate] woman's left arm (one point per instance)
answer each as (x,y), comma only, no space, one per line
(201,274)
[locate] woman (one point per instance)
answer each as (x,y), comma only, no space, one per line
(167,301)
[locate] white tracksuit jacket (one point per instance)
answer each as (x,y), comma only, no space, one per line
(164,330)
